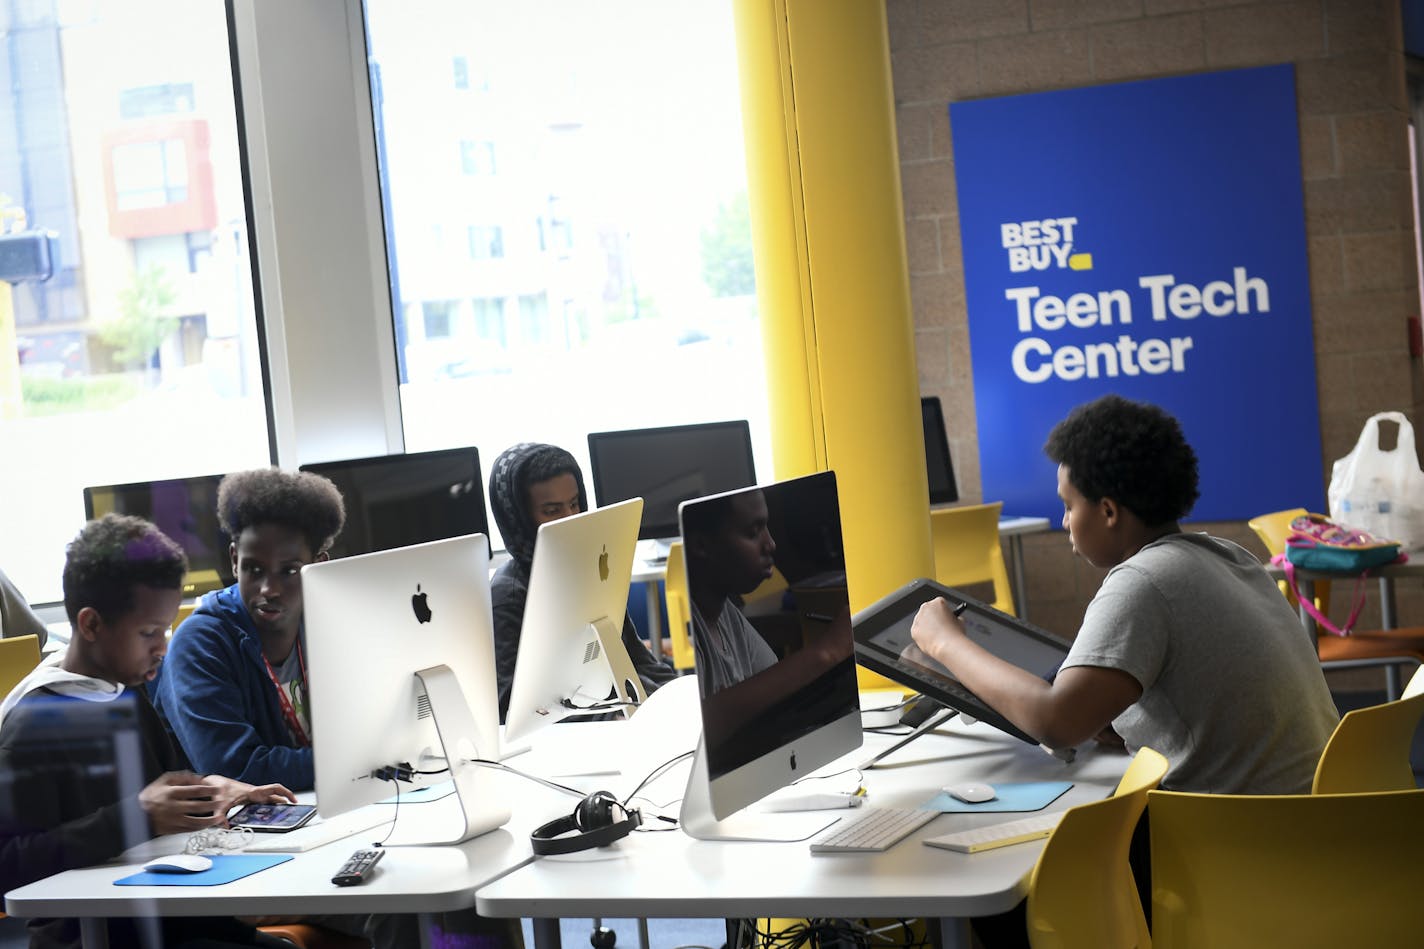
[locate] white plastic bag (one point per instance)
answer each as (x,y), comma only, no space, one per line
(1381,491)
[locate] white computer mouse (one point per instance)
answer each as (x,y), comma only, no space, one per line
(971,792)
(179,863)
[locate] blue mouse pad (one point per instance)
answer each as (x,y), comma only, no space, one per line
(226,868)
(1026,796)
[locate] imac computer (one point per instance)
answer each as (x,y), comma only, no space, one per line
(399,500)
(186,509)
(777,680)
(400,658)
(938,465)
(571,655)
(666,466)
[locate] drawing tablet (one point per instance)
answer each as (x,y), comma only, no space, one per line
(882,633)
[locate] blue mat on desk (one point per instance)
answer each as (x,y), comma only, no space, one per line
(1025,796)
(226,868)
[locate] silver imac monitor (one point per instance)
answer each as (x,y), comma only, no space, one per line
(775,656)
(400,657)
(571,656)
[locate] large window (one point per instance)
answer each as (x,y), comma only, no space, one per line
(137,357)
(616,289)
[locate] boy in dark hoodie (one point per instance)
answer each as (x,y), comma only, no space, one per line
(531,484)
(122,586)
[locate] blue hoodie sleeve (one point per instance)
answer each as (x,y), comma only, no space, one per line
(223,709)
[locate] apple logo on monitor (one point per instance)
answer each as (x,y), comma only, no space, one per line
(603,564)
(418,603)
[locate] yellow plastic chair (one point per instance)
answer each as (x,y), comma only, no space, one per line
(1376,647)
(1082,894)
(1241,871)
(1273,529)
(1369,749)
(678,609)
(18,657)
(966,549)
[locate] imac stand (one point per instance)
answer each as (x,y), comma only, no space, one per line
(480,811)
(698,820)
(934,721)
(627,687)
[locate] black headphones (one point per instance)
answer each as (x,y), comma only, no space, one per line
(595,824)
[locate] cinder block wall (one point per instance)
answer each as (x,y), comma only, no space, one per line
(1354,121)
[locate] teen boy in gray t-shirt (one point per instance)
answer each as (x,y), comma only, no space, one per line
(1188,647)
(1232,691)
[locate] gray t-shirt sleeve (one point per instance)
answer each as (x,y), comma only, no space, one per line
(1125,627)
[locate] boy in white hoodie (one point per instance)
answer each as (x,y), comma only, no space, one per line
(122,588)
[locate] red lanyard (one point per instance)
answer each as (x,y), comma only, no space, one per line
(289,713)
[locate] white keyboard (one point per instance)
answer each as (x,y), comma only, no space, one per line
(976,839)
(320,833)
(874,829)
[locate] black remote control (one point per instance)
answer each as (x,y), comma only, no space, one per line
(358,867)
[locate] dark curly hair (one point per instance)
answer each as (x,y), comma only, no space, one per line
(1132,452)
(112,555)
(306,502)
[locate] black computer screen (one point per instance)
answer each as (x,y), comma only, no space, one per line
(938,466)
(398,500)
(186,509)
(666,466)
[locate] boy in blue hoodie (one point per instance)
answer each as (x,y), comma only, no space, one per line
(234,686)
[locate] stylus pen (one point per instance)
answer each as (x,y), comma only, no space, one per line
(961,608)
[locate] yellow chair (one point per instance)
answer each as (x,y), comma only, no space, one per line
(967,551)
(1377,647)
(1233,871)
(1082,893)
(18,657)
(679,610)
(1273,529)
(1369,750)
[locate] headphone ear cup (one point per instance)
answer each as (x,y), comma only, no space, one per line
(595,811)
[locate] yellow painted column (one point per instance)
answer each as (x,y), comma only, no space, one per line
(832,282)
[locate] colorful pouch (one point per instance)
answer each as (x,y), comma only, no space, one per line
(1318,543)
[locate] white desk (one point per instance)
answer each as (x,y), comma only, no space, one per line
(664,874)
(408,880)
(1014,528)
(668,874)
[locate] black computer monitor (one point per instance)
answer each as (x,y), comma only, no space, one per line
(938,466)
(666,466)
(186,509)
(398,500)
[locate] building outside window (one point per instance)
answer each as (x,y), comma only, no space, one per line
(618,132)
(137,357)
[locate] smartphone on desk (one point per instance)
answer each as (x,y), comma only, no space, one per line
(272,818)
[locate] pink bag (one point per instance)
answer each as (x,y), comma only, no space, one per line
(1318,543)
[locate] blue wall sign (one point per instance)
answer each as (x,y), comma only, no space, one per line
(1148,239)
